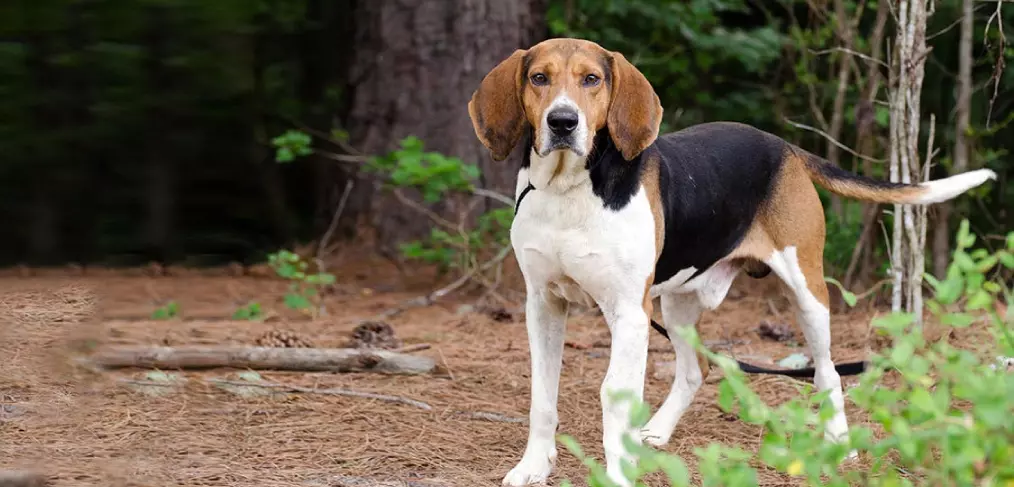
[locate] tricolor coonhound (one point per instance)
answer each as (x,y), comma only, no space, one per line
(614,215)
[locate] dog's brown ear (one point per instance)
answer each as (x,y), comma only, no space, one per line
(635,111)
(495,108)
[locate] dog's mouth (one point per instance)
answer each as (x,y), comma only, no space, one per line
(561,143)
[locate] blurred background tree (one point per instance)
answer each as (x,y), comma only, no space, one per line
(140,131)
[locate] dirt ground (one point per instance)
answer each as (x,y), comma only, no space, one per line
(84,428)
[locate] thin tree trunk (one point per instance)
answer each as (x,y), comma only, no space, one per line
(942,230)
(838,107)
(416,64)
(866,122)
(909,223)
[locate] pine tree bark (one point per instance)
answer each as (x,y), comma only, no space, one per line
(415,66)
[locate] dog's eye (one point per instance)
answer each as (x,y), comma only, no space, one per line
(539,79)
(591,80)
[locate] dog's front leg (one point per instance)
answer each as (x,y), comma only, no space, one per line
(545,317)
(628,357)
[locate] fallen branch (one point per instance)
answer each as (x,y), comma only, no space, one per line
(14,478)
(264,358)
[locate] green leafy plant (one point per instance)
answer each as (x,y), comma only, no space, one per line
(290,145)
(167,311)
(436,177)
(251,312)
(432,173)
(303,293)
(940,414)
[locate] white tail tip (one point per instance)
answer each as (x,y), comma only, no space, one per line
(947,188)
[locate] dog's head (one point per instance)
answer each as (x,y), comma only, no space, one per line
(566,90)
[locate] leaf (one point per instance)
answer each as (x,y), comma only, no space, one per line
(920,398)
(980,300)
(1007,259)
(849,297)
(297,301)
(250,375)
(675,469)
(245,391)
(794,361)
(157,383)
(957,320)
(902,352)
(640,413)
(894,322)
(726,396)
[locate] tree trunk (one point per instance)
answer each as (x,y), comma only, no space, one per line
(416,65)
(942,230)
(908,70)
(845,34)
(861,263)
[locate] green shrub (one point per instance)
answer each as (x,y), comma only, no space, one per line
(303,293)
(943,418)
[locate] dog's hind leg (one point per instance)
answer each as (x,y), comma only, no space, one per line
(678,311)
(802,271)
(546,318)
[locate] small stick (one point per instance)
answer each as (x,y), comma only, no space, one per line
(330,392)
(487,416)
(418,347)
(447,366)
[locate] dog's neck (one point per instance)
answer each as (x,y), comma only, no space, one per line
(603,172)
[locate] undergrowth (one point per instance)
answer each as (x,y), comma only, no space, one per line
(943,418)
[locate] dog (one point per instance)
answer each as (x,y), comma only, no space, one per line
(611,214)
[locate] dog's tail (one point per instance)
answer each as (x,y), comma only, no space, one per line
(850,368)
(854,186)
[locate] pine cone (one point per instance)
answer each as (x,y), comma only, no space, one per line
(283,339)
(374,334)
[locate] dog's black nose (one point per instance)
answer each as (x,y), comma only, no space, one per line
(562,121)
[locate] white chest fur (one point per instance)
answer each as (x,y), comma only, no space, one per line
(570,245)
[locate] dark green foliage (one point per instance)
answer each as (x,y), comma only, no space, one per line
(140,130)
(144,130)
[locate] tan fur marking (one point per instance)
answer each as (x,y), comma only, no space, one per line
(794,216)
(635,111)
(495,108)
(650,183)
(850,188)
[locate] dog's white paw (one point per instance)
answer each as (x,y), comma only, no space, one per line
(533,469)
(655,434)
(852,455)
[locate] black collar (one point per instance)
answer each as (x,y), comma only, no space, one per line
(522,196)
